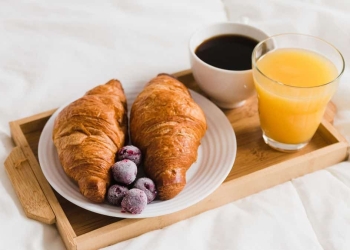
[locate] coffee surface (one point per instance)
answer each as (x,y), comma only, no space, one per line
(230,52)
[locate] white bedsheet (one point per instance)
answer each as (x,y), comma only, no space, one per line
(53,52)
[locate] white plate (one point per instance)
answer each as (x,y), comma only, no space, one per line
(216,156)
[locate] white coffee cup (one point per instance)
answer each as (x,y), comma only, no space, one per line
(226,88)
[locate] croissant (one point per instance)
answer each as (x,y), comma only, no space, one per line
(167,125)
(87,134)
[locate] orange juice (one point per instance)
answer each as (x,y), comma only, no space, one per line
(293,87)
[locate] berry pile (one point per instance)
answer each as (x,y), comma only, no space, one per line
(130,192)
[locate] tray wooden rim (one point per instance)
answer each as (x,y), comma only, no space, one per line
(229,191)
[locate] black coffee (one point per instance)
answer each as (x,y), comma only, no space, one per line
(231,52)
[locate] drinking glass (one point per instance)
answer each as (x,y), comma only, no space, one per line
(295,77)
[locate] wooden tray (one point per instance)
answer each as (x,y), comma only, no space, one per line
(257,167)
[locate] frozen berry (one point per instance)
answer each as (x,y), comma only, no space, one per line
(116,193)
(130,152)
(124,171)
(148,186)
(134,201)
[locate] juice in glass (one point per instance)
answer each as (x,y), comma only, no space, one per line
(293,86)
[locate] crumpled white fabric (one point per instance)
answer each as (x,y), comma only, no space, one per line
(51,53)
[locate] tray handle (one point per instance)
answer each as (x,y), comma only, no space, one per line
(27,188)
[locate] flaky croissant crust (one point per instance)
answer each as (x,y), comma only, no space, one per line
(167,125)
(87,134)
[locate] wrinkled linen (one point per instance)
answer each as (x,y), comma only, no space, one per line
(51,53)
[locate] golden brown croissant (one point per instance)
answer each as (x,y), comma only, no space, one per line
(167,125)
(88,133)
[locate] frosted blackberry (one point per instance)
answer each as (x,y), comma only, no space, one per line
(124,171)
(148,186)
(130,152)
(116,193)
(134,201)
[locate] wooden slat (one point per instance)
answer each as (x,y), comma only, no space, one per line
(330,112)
(29,193)
(329,132)
(62,223)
